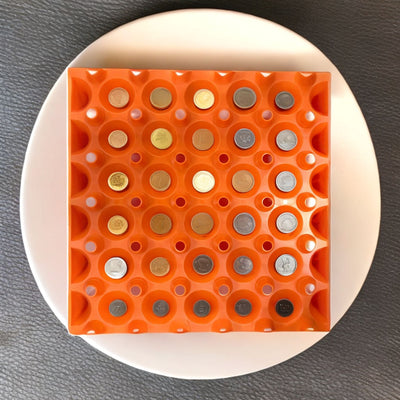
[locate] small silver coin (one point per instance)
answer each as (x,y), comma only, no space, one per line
(284,100)
(243,265)
(286,222)
(160,308)
(244,224)
(201,308)
(285,265)
(244,138)
(285,181)
(243,307)
(115,267)
(203,264)
(117,308)
(286,140)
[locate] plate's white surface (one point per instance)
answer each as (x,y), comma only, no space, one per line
(204,39)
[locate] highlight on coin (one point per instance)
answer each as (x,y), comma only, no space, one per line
(118,181)
(203,181)
(115,268)
(204,99)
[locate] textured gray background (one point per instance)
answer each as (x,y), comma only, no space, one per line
(359,359)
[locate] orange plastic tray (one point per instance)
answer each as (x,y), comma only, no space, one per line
(91,118)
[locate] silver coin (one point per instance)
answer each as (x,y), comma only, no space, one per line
(285,181)
(244,224)
(117,308)
(286,222)
(285,265)
(244,98)
(160,308)
(243,307)
(284,100)
(243,265)
(201,308)
(203,264)
(286,140)
(244,138)
(115,267)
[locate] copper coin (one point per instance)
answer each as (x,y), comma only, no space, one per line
(243,181)
(117,225)
(161,98)
(160,180)
(118,97)
(159,266)
(117,139)
(203,139)
(160,224)
(202,223)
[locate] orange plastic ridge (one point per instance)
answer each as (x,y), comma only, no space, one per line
(92,202)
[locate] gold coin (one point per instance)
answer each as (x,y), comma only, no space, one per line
(118,97)
(160,224)
(161,138)
(117,225)
(202,223)
(203,99)
(243,181)
(161,98)
(159,266)
(118,181)
(203,181)
(203,139)
(160,180)
(117,139)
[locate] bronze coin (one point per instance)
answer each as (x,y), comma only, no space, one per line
(160,180)
(203,139)
(243,181)
(161,98)
(118,97)
(202,223)
(159,266)
(160,224)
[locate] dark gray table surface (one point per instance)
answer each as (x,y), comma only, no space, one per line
(359,359)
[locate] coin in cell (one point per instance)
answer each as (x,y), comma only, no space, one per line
(284,100)
(160,180)
(201,308)
(203,139)
(118,181)
(160,308)
(118,97)
(244,98)
(117,139)
(244,223)
(203,181)
(243,307)
(244,138)
(117,225)
(285,265)
(203,264)
(243,265)
(159,266)
(161,98)
(161,138)
(284,307)
(286,222)
(285,181)
(204,99)
(243,181)
(117,308)
(286,140)
(160,223)
(115,267)
(202,223)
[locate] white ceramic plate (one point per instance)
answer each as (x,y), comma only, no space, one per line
(204,39)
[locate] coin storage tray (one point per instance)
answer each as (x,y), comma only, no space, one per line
(198,201)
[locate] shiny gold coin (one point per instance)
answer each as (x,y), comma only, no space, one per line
(161,138)
(160,180)
(243,181)
(202,223)
(117,225)
(118,97)
(161,98)
(117,139)
(203,99)
(118,181)
(160,224)
(203,139)
(203,181)
(159,266)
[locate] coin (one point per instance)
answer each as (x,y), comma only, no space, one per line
(118,97)
(284,100)
(203,181)
(286,222)
(244,223)
(117,139)
(203,99)
(202,223)
(286,140)
(118,181)
(243,181)
(160,308)
(160,180)
(244,138)
(161,98)
(159,266)
(203,139)
(115,267)
(161,138)
(243,265)
(201,308)
(244,98)
(285,181)
(203,264)
(243,307)
(160,224)
(117,308)
(285,265)
(284,307)
(117,225)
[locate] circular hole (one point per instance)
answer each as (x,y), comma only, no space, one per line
(310,202)
(267,115)
(136,246)
(310,159)
(267,245)
(223,201)
(136,290)
(180,201)
(91,113)
(136,157)
(310,116)
(136,114)
(136,202)
(91,158)
(180,246)
(90,246)
(310,245)
(223,245)
(180,114)
(267,202)
(91,290)
(267,158)
(180,290)
(91,202)
(267,290)
(223,290)
(224,115)
(310,288)
(180,158)
(224,158)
